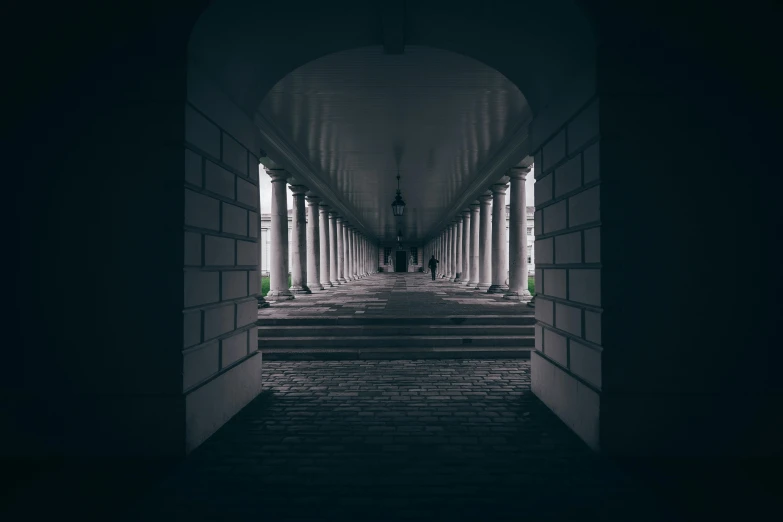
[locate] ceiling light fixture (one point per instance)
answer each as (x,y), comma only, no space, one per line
(398,205)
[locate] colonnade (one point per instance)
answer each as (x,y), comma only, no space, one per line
(473,252)
(327,250)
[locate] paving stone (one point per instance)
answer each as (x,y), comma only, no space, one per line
(306,448)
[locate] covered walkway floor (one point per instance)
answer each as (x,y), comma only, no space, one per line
(395,294)
(397,440)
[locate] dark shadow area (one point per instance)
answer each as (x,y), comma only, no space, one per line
(397,440)
(85,489)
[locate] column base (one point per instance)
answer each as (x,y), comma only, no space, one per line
(279,295)
(341,281)
(327,284)
(262,302)
(335,283)
(497,289)
(315,287)
(467,283)
(523,296)
(299,290)
(483,286)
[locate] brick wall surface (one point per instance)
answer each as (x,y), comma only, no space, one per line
(221,250)
(568,272)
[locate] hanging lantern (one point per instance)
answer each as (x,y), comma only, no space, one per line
(398,205)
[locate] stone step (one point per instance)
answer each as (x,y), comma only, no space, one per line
(391,341)
(375,330)
(441,352)
(524,319)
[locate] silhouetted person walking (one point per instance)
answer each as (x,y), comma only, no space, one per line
(433,264)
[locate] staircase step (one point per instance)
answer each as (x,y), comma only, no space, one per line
(370,342)
(398,330)
(443,352)
(348,320)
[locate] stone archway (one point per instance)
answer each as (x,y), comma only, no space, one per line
(231,69)
(102,213)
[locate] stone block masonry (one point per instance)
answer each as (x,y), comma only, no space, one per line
(220,270)
(567,360)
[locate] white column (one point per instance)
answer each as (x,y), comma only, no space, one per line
(452,251)
(362,273)
(465,279)
(299,242)
(334,270)
(485,242)
(340,232)
(446,252)
(345,270)
(442,251)
(260,298)
(363,250)
(278,232)
(355,243)
(324,252)
(458,247)
(351,264)
(499,240)
(313,245)
(517,241)
(474,244)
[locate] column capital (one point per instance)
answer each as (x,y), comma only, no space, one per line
(337,217)
(466,212)
(518,173)
(485,198)
(313,200)
(323,207)
(474,206)
(499,188)
(333,214)
(277,175)
(298,190)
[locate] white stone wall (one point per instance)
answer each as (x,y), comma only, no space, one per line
(566,365)
(220,357)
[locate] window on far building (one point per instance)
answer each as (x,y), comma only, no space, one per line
(386,254)
(529,231)
(415,255)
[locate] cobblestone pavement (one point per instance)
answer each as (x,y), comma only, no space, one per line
(397,440)
(405,294)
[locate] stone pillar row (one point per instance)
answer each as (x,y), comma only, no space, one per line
(474,253)
(326,251)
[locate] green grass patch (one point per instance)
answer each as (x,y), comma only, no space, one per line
(531,285)
(265,284)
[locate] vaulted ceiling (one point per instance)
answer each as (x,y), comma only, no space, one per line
(359,116)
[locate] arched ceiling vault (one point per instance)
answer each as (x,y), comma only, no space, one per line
(451,109)
(359,116)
